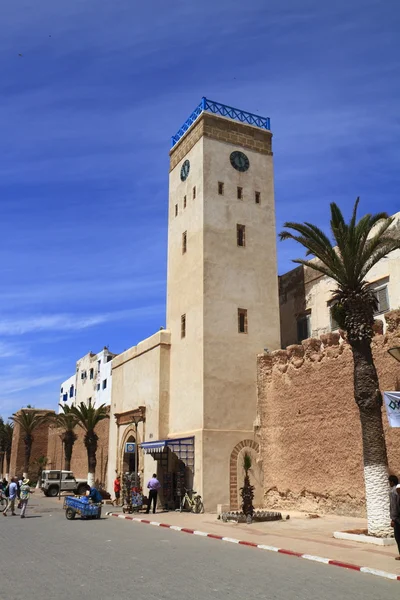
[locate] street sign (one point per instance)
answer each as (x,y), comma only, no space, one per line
(130,447)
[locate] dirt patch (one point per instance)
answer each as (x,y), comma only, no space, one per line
(357,531)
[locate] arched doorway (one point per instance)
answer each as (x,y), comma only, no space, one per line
(129,458)
(237,473)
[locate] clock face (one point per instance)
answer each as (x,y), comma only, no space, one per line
(185,170)
(239,161)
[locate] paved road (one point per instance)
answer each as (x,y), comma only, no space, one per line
(46,556)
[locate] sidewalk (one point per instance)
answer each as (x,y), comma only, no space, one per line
(299,534)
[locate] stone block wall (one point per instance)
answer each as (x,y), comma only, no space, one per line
(224,130)
(308,423)
(39,448)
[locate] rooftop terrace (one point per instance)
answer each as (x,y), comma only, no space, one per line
(224,111)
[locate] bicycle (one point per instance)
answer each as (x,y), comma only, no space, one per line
(194,503)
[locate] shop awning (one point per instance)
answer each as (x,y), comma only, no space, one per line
(182,447)
(150,447)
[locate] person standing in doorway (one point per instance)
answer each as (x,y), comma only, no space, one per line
(153,486)
(395,513)
(12,496)
(24,493)
(117,489)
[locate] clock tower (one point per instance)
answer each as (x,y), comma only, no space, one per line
(222,289)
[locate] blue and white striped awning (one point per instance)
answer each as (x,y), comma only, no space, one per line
(150,447)
(182,447)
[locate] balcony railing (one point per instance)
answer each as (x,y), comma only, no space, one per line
(225,111)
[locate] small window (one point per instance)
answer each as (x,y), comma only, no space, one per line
(303,328)
(241,235)
(382,297)
(334,323)
(183,326)
(91,373)
(257,197)
(220,188)
(61,390)
(242,320)
(104,384)
(98,387)
(98,364)
(184,201)
(194,192)
(109,358)
(65,397)
(240,193)
(71,391)
(176,210)
(184,242)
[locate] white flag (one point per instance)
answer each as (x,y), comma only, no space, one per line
(392,403)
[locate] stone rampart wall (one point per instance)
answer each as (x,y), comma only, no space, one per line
(308,423)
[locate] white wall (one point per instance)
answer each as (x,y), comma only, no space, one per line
(65,389)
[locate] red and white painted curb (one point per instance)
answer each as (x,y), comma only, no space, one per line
(319,559)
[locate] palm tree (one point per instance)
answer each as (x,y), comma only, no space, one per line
(8,431)
(29,420)
(88,417)
(358,247)
(66,421)
(247,491)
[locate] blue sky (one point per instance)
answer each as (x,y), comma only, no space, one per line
(86,115)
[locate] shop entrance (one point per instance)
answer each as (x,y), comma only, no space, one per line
(175,468)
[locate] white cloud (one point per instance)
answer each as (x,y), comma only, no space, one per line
(70,322)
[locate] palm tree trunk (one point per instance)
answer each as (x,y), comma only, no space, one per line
(8,461)
(369,401)
(28,449)
(67,455)
(91,447)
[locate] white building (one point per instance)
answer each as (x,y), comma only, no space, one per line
(92,380)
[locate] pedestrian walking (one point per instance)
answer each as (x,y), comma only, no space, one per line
(117,489)
(25,492)
(153,485)
(395,510)
(12,496)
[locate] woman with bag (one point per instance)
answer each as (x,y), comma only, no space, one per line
(25,492)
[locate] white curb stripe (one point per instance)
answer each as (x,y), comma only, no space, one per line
(176,528)
(121,516)
(379,573)
(228,539)
(316,558)
(264,547)
(200,533)
(156,523)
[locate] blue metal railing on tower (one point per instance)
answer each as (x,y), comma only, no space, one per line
(224,111)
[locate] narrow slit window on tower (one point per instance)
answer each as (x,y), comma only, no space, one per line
(184,242)
(241,235)
(220,188)
(242,320)
(176,210)
(194,192)
(258,197)
(183,326)
(184,201)
(240,193)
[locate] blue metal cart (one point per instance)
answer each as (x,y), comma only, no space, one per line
(80,506)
